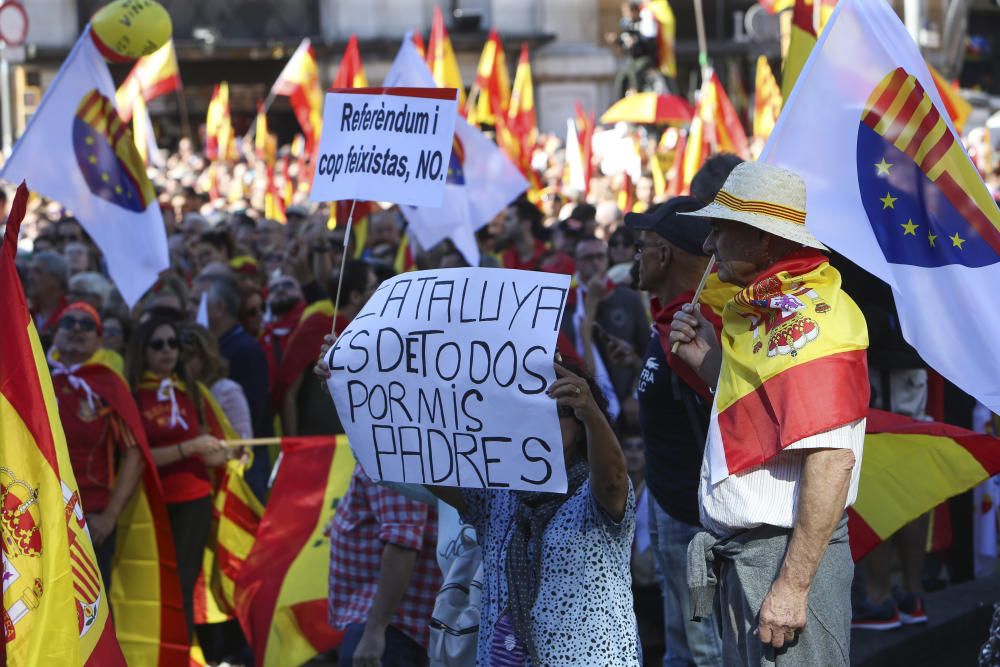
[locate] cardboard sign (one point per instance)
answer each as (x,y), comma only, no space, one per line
(386,144)
(441,379)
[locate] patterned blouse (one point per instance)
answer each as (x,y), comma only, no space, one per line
(583,613)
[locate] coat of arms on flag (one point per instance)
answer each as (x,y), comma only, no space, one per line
(908,160)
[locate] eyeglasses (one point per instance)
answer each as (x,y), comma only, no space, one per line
(69,238)
(641,246)
(84,323)
(159,344)
(592,257)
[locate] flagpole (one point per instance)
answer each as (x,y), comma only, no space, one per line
(343,264)
(268,101)
(697,292)
(182,109)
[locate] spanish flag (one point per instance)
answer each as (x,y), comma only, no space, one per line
(521,118)
(238,514)
(404,260)
(264,143)
(153,75)
(281,590)
(55,608)
(790,335)
(808,20)
(766,100)
(274,204)
(441,58)
(299,82)
(491,94)
(715,128)
(909,467)
(219,139)
(351,73)
(665,36)
(956,106)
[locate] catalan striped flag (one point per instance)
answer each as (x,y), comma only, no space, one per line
(766,100)
(238,514)
(910,467)
(491,94)
(441,58)
(299,82)
(791,335)
(281,590)
(55,609)
(153,75)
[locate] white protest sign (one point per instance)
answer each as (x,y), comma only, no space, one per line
(441,379)
(386,144)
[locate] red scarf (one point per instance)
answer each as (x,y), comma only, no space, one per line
(663,316)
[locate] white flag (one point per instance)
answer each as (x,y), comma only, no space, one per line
(78,152)
(481,180)
(890,187)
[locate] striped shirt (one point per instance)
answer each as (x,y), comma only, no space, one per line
(769,493)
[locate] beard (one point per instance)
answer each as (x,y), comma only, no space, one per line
(283,306)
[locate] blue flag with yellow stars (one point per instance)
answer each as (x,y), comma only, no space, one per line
(890,186)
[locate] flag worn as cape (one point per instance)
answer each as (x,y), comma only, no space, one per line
(794,364)
(280,592)
(909,467)
(895,191)
(92,168)
(55,609)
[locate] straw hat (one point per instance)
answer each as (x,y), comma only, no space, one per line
(766,197)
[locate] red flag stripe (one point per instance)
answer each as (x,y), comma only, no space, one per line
(240,514)
(935,154)
(881,107)
(968,209)
(926,125)
(899,123)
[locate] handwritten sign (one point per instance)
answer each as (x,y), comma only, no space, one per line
(386,144)
(441,379)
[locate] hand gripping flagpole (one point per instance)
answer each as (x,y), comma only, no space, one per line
(343,263)
(697,295)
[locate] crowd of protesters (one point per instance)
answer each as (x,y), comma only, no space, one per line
(598,576)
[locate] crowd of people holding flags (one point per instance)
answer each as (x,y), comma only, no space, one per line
(715,422)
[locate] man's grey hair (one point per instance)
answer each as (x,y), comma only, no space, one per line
(222,289)
(91,282)
(53,264)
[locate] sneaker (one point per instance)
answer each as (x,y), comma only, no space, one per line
(911,608)
(868,616)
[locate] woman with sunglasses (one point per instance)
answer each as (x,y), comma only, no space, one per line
(184,426)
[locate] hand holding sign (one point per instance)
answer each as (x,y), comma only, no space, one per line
(428,376)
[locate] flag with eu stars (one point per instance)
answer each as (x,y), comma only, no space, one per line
(890,186)
(77,151)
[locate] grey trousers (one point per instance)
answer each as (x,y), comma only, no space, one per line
(746,565)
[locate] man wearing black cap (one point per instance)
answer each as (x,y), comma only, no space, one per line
(674,407)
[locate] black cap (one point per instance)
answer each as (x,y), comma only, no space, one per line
(687,232)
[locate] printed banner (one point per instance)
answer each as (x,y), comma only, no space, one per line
(386,144)
(441,379)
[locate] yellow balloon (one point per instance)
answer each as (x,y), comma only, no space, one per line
(126,30)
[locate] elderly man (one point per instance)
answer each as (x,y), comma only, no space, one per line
(285,305)
(102,426)
(783,453)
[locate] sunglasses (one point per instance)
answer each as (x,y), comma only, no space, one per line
(592,257)
(283,285)
(641,246)
(160,343)
(84,323)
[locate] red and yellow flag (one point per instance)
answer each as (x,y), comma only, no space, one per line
(55,608)
(808,20)
(766,100)
(418,41)
(404,260)
(220,142)
(789,337)
(351,73)
(908,468)
(715,128)
(299,82)
(441,58)
(520,132)
(153,75)
(238,513)
(265,144)
(280,593)
(956,106)
(492,89)
(665,36)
